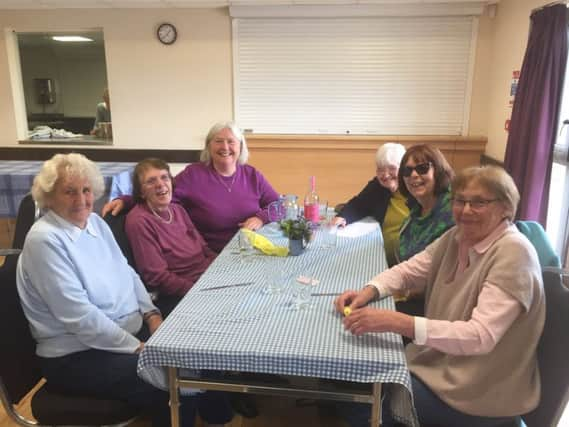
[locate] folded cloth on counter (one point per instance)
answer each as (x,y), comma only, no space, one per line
(264,244)
(45,132)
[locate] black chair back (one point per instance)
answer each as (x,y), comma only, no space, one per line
(19,368)
(116,223)
(552,352)
(28,212)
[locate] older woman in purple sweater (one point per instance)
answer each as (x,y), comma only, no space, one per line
(170,253)
(221,193)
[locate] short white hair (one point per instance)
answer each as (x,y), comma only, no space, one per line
(205,156)
(389,154)
(63,166)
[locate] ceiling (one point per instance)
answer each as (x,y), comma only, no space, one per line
(83,4)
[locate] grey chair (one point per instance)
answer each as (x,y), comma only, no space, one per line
(19,367)
(552,353)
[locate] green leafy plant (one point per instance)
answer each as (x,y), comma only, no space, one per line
(297,229)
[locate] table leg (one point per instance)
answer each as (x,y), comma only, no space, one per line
(376,406)
(174,396)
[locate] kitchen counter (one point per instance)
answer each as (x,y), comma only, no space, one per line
(80,140)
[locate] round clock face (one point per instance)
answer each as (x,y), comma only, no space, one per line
(167,33)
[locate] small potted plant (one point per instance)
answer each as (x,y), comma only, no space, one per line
(299,232)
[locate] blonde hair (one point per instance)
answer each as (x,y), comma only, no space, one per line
(62,166)
(495,180)
(205,156)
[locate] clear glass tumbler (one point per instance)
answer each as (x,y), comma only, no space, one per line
(275,275)
(246,250)
(302,289)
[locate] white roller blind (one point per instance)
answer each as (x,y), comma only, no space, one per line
(380,75)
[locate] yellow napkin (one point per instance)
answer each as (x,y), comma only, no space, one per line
(264,244)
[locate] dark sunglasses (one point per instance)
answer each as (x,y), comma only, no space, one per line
(421,169)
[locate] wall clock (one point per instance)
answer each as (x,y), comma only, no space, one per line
(167,33)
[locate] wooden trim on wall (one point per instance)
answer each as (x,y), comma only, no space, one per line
(100,154)
(342,164)
(359,142)
(488,160)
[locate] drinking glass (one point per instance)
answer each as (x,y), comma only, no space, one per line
(328,233)
(291,207)
(276,210)
(302,288)
(322,211)
(276,213)
(246,250)
(275,275)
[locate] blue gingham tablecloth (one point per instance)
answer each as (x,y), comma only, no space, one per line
(17,177)
(244,329)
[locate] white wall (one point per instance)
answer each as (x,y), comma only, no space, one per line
(161,96)
(168,96)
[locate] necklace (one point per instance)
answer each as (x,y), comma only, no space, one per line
(227,187)
(157,215)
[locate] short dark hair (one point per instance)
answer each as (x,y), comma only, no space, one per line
(140,169)
(425,153)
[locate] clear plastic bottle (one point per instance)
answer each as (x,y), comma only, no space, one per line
(311,202)
(290,207)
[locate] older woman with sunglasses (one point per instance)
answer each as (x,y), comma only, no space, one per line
(424,178)
(484,301)
(381,199)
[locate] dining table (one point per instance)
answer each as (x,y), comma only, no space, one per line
(17,177)
(229,322)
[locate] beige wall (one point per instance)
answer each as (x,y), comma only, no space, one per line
(510,32)
(168,96)
(162,96)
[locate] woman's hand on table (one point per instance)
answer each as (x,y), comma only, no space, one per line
(253,223)
(354,299)
(114,207)
(339,221)
(370,319)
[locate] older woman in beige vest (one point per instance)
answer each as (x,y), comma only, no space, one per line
(473,357)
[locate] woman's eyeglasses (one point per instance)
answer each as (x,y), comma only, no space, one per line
(421,169)
(475,204)
(152,182)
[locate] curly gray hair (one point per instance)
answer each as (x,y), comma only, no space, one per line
(66,165)
(205,156)
(389,154)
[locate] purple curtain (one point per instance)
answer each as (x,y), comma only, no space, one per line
(533,126)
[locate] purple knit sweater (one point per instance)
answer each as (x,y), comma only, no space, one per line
(215,210)
(170,257)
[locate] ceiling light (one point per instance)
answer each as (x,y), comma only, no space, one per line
(71,39)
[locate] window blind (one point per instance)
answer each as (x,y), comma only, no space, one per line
(376,75)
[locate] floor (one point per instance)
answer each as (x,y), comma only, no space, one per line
(274,412)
